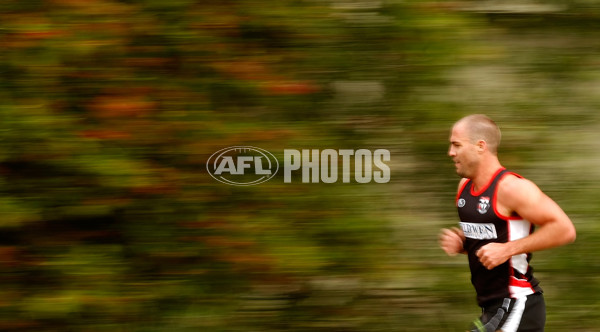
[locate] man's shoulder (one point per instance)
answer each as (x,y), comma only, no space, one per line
(512,183)
(513,191)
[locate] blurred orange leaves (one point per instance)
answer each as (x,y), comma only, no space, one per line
(268,82)
(121,106)
(105,134)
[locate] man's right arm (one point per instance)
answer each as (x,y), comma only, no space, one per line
(452,241)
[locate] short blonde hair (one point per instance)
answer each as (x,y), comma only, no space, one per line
(481,127)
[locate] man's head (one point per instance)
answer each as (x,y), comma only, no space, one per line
(473,139)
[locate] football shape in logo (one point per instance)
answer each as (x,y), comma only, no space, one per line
(242,165)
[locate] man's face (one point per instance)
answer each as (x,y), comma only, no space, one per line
(463,152)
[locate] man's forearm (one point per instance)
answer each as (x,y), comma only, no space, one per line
(550,235)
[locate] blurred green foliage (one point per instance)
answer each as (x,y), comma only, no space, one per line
(109,110)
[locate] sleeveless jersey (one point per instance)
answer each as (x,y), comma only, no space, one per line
(482,224)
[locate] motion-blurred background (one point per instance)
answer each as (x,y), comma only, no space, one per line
(109,110)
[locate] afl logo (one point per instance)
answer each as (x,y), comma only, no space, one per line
(242,165)
(461,202)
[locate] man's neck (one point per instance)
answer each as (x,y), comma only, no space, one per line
(485,174)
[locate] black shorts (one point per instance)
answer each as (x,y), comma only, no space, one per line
(527,314)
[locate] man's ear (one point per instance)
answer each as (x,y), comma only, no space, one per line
(481,145)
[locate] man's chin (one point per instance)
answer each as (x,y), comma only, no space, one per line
(461,174)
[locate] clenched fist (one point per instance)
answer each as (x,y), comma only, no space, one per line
(493,254)
(452,240)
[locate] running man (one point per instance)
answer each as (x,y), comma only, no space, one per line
(498,210)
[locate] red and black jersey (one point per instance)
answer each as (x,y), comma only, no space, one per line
(482,224)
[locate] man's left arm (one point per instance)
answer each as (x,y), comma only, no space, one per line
(528,201)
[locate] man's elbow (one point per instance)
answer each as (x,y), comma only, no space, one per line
(570,234)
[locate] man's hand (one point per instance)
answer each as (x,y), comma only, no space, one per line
(493,254)
(451,241)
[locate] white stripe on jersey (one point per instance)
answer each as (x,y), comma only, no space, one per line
(518,229)
(518,292)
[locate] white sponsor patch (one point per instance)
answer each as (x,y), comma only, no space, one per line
(479,231)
